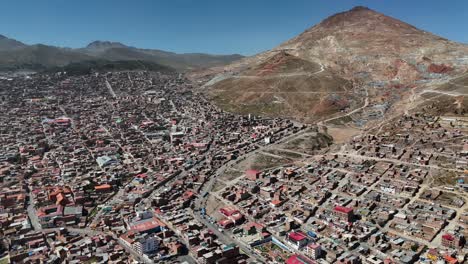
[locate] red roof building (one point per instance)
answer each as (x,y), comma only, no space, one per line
(148,226)
(228,211)
(226,223)
(448,237)
(450,241)
(343,209)
(252,174)
(297,236)
(103,188)
(450,259)
(344,213)
(297,259)
(297,239)
(233,217)
(188,195)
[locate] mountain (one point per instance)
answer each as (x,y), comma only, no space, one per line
(38,57)
(97,46)
(363,54)
(187,61)
(366,41)
(9,44)
(284,85)
(16,55)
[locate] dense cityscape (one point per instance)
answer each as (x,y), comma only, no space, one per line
(234,132)
(138,166)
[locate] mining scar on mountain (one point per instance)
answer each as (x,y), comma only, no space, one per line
(355,62)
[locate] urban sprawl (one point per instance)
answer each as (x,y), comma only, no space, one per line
(139,167)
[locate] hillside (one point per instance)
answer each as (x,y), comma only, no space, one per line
(38,57)
(287,86)
(364,55)
(9,44)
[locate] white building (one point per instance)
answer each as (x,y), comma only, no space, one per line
(314,251)
(146,243)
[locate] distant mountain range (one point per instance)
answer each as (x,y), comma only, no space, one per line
(17,55)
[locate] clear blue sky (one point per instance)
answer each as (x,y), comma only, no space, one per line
(211,26)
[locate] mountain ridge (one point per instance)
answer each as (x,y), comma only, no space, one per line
(8,43)
(104,44)
(17,55)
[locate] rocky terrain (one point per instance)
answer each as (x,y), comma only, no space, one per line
(285,85)
(369,43)
(362,54)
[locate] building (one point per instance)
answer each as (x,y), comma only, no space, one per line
(103,188)
(252,175)
(105,161)
(145,243)
(344,213)
(453,241)
(253,228)
(49,214)
(297,240)
(150,225)
(298,259)
(314,251)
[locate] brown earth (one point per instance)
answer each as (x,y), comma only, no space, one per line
(322,71)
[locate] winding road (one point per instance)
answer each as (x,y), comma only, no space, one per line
(449,93)
(221,77)
(366,103)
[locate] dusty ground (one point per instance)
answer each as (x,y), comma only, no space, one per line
(284,85)
(218,185)
(342,134)
(213,205)
(308,143)
(261,161)
(231,174)
(446,178)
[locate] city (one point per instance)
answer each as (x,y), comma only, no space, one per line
(137,165)
(211,132)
